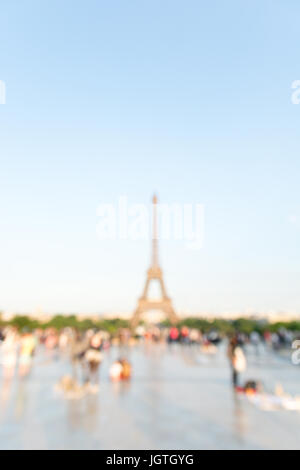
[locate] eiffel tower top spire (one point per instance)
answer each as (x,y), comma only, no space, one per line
(155,233)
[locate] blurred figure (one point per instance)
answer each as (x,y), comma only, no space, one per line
(78,348)
(51,340)
(173,335)
(27,348)
(214,337)
(237,359)
(9,348)
(105,341)
(255,341)
(275,341)
(93,357)
(115,371)
(268,338)
(120,370)
(64,341)
(184,335)
(195,336)
(208,348)
(253,386)
(126,369)
(140,332)
(155,334)
(2,337)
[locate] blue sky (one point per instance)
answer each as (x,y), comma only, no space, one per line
(190,99)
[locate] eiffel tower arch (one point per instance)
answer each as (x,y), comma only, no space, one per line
(154,273)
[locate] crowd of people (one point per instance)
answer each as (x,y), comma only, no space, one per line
(179,335)
(17,351)
(85,350)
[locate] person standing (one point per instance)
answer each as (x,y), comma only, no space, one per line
(27,348)
(93,357)
(237,360)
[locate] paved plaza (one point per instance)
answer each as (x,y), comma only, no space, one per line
(177,399)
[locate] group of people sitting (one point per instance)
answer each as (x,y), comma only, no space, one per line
(120,370)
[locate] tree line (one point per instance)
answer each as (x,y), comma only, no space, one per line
(225,327)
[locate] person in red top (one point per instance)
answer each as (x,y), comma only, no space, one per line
(174,334)
(184,334)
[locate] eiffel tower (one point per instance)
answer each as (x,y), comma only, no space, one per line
(154,273)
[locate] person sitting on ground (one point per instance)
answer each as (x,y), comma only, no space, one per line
(115,371)
(120,370)
(126,369)
(251,387)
